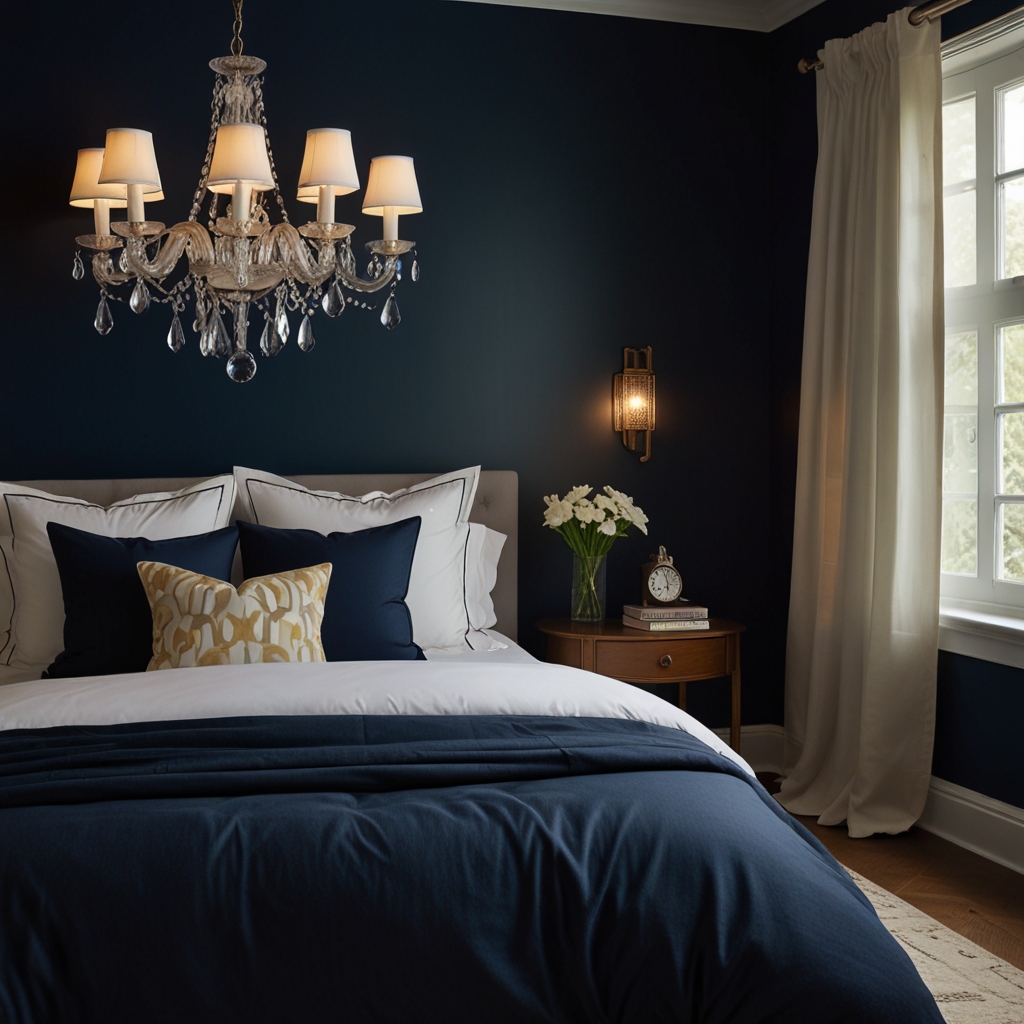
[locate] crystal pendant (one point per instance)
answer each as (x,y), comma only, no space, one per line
(221,341)
(241,366)
(281,319)
(373,268)
(104,321)
(415,272)
(333,301)
(139,301)
(306,339)
(390,317)
(78,269)
(122,261)
(398,271)
(175,336)
(270,340)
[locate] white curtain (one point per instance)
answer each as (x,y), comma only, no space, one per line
(863,622)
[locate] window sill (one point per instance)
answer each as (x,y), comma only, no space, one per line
(987,632)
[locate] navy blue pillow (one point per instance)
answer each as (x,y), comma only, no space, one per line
(108,626)
(365,614)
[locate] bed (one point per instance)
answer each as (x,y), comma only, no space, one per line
(473,837)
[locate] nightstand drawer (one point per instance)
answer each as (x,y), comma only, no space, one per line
(662,660)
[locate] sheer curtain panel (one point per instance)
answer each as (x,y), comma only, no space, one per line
(863,621)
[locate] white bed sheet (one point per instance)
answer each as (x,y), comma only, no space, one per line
(457,686)
(502,650)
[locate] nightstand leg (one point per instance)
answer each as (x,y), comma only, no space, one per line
(734,732)
(682,696)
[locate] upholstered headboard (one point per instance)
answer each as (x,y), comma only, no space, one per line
(496,506)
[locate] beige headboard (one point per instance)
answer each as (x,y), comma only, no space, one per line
(496,506)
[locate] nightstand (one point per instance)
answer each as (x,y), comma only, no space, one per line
(612,649)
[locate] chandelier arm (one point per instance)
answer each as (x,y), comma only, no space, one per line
(360,284)
(186,235)
(104,274)
(289,247)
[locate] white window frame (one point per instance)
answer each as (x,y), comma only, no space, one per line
(983,616)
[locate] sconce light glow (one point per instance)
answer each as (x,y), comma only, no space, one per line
(633,399)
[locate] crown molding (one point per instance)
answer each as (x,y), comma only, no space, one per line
(763,16)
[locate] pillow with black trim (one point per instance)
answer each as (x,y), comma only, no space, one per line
(108,626)
(31,618)
(365,614)
(437,596)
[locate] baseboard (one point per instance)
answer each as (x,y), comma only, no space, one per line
(976,822)
(760,745)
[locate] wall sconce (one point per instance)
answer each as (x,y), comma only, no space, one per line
(633,399)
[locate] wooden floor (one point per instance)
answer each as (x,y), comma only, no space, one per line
(977,898)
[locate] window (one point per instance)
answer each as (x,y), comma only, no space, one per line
(983,207)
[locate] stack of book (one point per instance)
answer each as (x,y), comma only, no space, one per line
(673,618)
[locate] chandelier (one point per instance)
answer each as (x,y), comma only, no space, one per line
(241,262)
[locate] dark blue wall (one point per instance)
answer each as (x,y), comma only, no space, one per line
(589,183)
(980,705)
(978,723)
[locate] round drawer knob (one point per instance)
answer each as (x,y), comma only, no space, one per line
(666,660)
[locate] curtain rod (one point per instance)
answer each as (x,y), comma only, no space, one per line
(924,12)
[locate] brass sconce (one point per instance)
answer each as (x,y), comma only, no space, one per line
(633,399)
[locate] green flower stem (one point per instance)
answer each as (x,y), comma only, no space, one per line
(586,601)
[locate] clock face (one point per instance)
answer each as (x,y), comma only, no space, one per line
(665,583)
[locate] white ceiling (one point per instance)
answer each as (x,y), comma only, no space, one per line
(758,15)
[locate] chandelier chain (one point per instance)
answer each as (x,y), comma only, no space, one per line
(262,115)
(197,199)
(236,40)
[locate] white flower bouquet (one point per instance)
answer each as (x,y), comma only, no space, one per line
(590,527)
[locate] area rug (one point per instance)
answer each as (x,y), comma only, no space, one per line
(971,985)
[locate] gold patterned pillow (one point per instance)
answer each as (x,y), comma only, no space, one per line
(198,620)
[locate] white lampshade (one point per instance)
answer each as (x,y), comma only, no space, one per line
(393,184)
(328,160)
(129,159)
(87,189)
(240,154)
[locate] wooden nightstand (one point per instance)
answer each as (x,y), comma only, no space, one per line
(611,649)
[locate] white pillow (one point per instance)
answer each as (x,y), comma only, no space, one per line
(481,575)
(34,627)
(437,597)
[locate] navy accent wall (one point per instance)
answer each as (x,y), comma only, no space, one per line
(980,705)
(977,728)
(589,182)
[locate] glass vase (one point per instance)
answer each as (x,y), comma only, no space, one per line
(588,588)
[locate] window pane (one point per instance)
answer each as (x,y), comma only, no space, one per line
(1011,432)
(958,141)
(1011,207)
(960,537)
(1011,363)
(1011,148)
(960,454)
(1012,531)
(960,239)
(962,368)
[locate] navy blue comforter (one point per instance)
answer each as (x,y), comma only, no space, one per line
(417,870)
